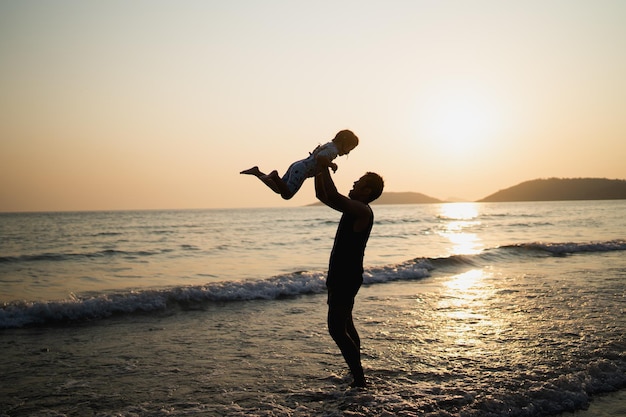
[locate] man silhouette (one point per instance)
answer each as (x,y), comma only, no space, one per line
(345,269)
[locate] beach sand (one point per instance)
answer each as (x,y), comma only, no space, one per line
(607,405)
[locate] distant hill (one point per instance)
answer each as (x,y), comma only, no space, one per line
(554,189)
(405,198)
(400,198)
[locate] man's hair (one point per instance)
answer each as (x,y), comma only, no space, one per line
(375,183)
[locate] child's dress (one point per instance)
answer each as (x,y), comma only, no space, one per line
(305,168)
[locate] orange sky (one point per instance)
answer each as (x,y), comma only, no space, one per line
(160,104)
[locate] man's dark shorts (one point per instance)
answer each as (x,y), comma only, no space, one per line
(343,296)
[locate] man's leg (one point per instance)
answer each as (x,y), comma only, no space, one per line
(353,333)
(341,329)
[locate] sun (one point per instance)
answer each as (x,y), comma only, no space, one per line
(459,121)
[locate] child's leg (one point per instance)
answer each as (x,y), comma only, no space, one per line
(272,180)
(280,185)
(294,178)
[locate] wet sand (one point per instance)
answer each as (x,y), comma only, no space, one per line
(606,405)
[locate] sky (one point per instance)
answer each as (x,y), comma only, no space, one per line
(156,104)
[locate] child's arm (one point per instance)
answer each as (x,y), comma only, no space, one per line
(324,161)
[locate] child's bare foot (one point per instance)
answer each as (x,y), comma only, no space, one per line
(252,171)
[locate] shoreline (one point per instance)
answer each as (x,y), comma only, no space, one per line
(611,404)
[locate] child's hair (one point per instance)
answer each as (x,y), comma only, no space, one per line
(347,138)
(376,184)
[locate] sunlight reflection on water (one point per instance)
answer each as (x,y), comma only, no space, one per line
(458,218)
(463,282)
(466,314)
(459,211)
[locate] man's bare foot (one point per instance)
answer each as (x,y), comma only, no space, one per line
(252,171)
(359,383)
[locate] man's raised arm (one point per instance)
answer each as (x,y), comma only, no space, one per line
(324,186)
(326,192)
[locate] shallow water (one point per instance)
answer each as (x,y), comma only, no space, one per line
(485,341)
(529,327)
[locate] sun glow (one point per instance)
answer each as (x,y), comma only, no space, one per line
(460,120)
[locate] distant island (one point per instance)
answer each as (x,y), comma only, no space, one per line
(555,189)
(405,198)
(550,189)
(400,198)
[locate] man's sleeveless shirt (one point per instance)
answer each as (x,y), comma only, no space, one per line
(346,258)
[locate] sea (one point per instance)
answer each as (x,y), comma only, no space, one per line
(467,309)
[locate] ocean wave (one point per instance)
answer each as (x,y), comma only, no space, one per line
(107,234)
(79,308)
(62,257)
(91,307)
(568,248)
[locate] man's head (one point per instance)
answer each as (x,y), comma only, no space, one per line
(367,188)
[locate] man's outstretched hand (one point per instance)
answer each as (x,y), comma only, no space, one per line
(323,161)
